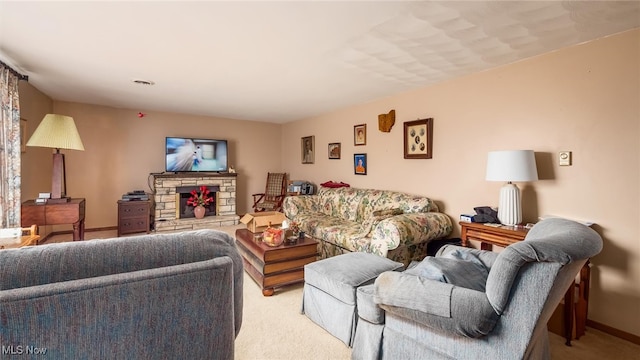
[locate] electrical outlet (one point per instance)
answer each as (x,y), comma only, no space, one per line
(564,158)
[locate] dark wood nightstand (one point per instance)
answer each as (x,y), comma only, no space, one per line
(505,235)
(134,216)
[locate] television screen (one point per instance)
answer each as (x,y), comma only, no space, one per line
(184,154)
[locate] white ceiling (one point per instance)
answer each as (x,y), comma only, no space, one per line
(280,61)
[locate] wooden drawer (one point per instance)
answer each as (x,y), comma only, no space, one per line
(33,214)
(134,216)
(133,209)
(133,225)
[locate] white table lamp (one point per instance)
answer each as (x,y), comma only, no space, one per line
(510,166)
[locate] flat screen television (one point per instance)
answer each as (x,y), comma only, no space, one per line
(186,155)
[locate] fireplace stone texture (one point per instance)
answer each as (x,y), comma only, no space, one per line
(165,201)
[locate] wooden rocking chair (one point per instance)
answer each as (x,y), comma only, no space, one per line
(271,199)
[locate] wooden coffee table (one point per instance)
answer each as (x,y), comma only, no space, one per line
(272,267)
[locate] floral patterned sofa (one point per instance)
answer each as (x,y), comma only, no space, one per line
(387,223)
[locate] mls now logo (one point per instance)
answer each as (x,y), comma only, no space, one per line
(20,350)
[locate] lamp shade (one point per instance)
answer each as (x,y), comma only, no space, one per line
(511,165)
(58,132)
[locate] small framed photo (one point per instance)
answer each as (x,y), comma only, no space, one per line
(308,149)
(418,139)
(360,134)
(23,135)
(360,164)
(334,151)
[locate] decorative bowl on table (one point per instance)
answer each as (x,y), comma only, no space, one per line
(273,237)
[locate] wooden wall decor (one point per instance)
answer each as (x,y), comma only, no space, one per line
(386,121)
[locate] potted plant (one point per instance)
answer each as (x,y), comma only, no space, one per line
(199,201)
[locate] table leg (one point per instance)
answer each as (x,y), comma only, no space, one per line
(582,303)
(78,230)
(568,313)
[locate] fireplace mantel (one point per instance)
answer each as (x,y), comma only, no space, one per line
(165,185)
(191,175)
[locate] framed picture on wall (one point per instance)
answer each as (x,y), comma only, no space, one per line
(360,164)
(360,134)
(334,151)
(308,148)
(418,139)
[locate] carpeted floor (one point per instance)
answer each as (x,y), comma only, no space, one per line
(274,329)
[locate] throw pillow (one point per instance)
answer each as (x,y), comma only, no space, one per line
(459,268)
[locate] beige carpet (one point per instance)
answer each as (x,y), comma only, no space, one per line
(273,328)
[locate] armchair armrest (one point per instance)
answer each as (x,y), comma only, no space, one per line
(292,205)
(408,229)
(257,197)
(414,292)
(449,308)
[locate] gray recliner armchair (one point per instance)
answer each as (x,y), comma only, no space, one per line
(473,304)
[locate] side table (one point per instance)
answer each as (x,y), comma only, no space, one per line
(272,267)
(134,216)
(71,212)
(503,236)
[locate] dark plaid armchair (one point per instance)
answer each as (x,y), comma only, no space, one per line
(271,199)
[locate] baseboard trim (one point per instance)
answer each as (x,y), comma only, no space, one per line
(614,332)
(49,235)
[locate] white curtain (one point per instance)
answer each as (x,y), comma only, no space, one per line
(9,148)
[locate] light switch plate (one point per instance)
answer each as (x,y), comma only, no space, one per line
(564,158)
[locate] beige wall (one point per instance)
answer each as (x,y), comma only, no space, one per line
(584,99)
(121,150)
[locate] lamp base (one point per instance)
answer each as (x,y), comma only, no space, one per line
(510,208)
(59,201)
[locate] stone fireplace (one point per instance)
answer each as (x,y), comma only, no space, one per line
(173,190)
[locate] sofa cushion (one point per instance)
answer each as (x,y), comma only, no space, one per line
(341,275)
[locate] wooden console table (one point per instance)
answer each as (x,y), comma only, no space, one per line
(71,212)
(506,235)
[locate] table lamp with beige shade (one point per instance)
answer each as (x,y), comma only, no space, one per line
(57,132)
